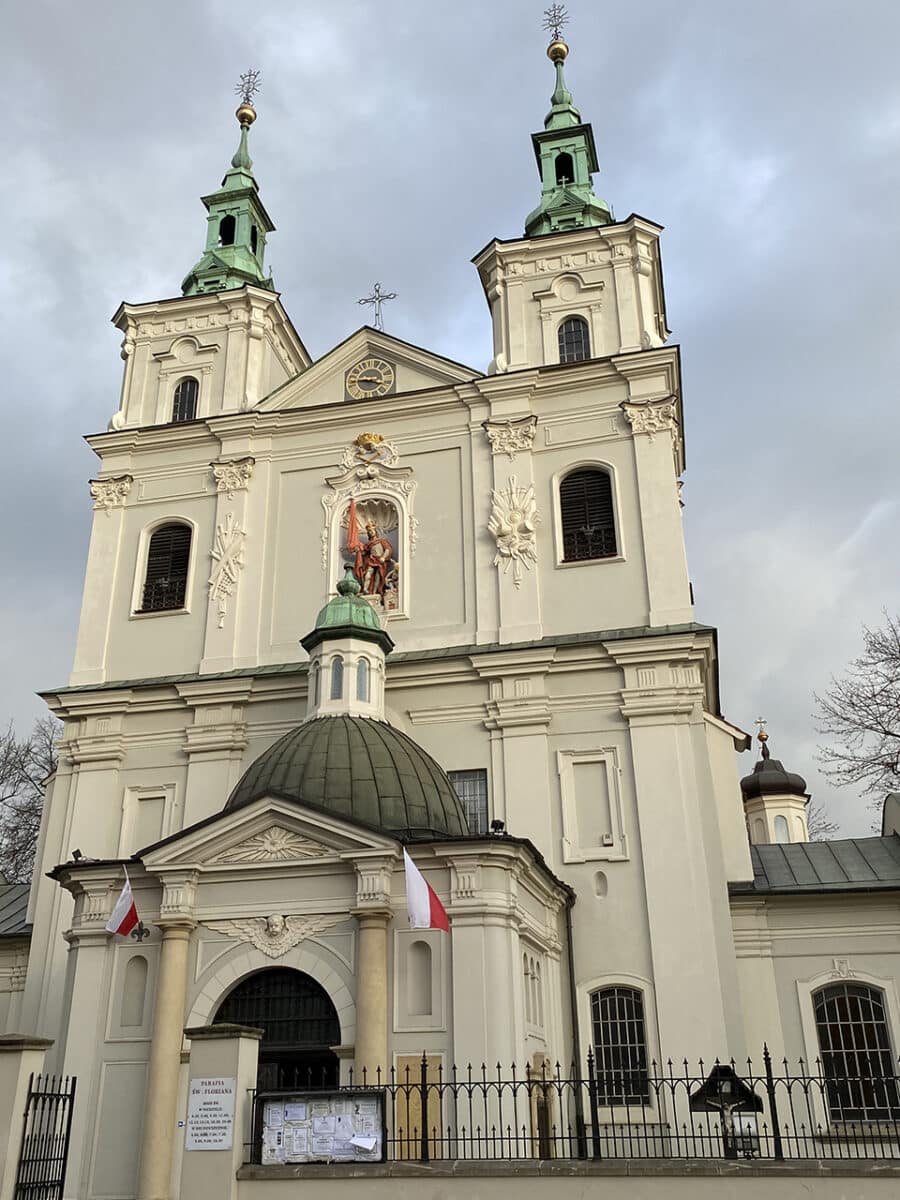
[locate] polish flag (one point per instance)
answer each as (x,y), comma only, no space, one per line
(353,528)
(124,916)
(424,908)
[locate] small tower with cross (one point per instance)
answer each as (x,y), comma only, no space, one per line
(775,800)
(238,224)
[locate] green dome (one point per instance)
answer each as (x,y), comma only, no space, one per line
(347,615)
(359,769)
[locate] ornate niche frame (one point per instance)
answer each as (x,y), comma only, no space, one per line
(371,477)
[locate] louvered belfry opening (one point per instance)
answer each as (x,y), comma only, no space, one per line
(574,340)
(588,518)
(299,1023)
(168,556)
(184,404)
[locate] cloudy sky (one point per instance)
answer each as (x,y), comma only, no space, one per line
(393,142)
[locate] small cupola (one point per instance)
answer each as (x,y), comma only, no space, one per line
(566,154)
(237,224)
(775,800)
(347,650)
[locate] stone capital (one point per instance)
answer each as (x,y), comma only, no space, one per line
(652,416)
(111,491)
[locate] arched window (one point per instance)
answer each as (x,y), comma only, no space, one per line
(526,983)
(168,557)
(539,995)
(418,980)
(587,515)
(316,683)
(362,681)
(184,405)
(299,1023)
(620,1045)
(337,678)
(254,238)
(564,170)
(782,833)
(134,988)
(856,1054)
(574,340)
(226,231)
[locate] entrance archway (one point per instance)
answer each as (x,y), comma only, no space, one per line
(299,1023)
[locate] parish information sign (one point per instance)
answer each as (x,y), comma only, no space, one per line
(210,1120)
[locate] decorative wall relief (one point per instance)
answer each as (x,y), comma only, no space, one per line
(110,492)
(514,516)
(369,521)
(509,437)
(233,475)
(276,934)
(228,556)
(652,416)
(274,844)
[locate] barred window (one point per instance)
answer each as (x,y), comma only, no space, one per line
(587,515)
(574,340)
(620,1045)
(168,557)
(184,405)
(471,788)
(857,1060)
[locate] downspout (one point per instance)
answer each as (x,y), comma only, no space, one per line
(580,1131)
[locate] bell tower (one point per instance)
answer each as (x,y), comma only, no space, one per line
(238,223)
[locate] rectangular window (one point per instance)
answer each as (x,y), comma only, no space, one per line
(471,787)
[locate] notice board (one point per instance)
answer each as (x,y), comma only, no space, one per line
(322,1127)
(210,1118)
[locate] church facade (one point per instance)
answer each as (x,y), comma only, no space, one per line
(378,600)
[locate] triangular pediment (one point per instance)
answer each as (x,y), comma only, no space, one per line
(326,380)
(269,833)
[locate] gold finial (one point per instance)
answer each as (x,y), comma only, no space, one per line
(247,87)
(555,19)
(762,736)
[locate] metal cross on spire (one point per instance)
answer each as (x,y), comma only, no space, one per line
(555,20)
(247,85)
(762,723)
(377,299)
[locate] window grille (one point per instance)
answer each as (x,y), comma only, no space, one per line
(574,340)
(471,788)
(184,406)
(168,556)
(587,515)
(857,1059)
(620,1045)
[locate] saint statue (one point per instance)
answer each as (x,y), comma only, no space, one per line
(374,565)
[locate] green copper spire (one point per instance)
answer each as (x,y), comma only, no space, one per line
(238,223)
(566,158)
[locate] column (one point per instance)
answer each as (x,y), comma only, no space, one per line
(109,495)
(228,1052)
(20,1056)
(371,995)
(160,1113)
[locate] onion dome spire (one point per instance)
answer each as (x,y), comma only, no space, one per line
(565,152)
(238,223)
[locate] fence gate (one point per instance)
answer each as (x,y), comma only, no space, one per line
(45,1138)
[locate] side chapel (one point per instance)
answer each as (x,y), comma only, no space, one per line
(379,599)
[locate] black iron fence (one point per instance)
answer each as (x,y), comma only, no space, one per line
(673,1110)
(46,1130)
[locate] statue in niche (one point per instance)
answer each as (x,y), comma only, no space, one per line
(372,554)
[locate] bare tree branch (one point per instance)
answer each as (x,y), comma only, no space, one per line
(25,766)
(860,712)
(820,826)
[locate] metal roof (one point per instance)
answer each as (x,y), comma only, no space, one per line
(847,865)
(14,910)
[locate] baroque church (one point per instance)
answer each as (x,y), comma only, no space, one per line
(339,608)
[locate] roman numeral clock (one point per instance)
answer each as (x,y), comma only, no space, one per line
(370,377)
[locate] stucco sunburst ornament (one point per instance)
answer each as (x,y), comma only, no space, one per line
(514,516)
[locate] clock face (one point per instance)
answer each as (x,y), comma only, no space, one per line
(369,377)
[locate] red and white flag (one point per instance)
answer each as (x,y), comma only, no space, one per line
(424,908)
(125,915)
(353,528)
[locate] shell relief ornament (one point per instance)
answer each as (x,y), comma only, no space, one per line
(369,522)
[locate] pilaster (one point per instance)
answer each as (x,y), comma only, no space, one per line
(214,744)
(110,494)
